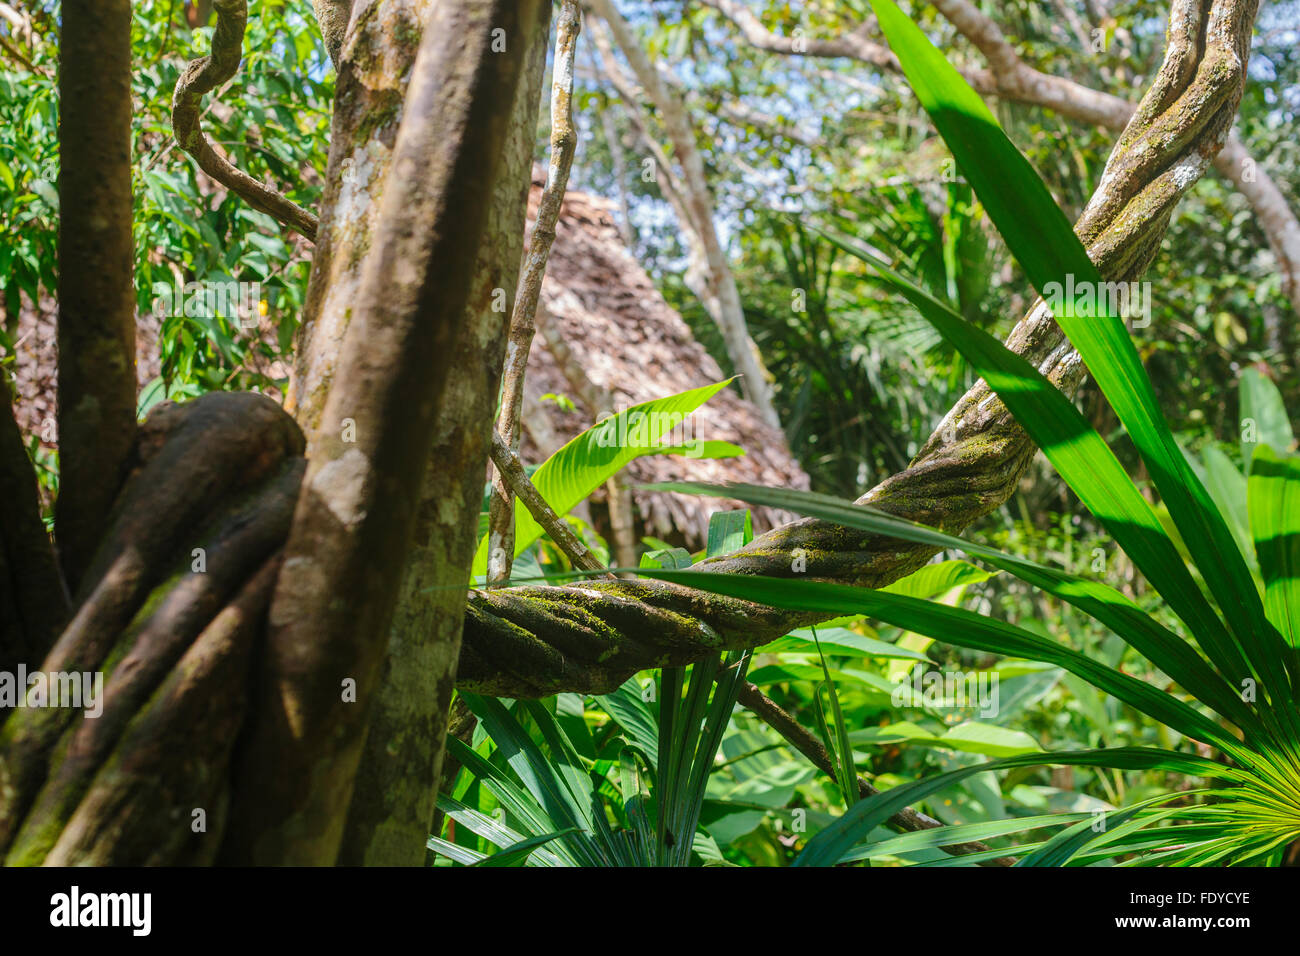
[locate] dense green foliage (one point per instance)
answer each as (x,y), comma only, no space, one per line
(273,122)
(876,281)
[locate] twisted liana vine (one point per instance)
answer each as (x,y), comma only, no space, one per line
(536,641)
(200,78)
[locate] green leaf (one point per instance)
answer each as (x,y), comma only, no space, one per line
(971,737)
(840,640)
(518,853)
(960,833)
(1164,648)
(729,531)
(846,769)
(1275,525)
(489,829)
(1227,486)
(47,192)
(1086,463)
(459,854)
(627,706)
(595,456)
(965,629)
(1075,839)
(517,801)
(666,558)
(1264,419)
(559,787)
(153,393)
(936,580)
(987,739)
(830,846)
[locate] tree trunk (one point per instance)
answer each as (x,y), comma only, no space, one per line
(96,298)
(713,281)
(392,807)
(330,618)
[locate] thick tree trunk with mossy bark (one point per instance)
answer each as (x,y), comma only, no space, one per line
(392,804)
(329,621)
(272,747)
(369,97)
(211,491)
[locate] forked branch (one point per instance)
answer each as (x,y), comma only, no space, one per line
(511,471)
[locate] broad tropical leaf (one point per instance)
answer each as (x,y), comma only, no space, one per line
(599,453)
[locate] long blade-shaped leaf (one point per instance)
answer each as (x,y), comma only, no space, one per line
(1063,847)
(548,786)
(1084,460)
(1264,420)
(957,833)
(518,853)
(1042,241)
(517,801)
(965,629)
(1161,646)
(1274,495)
(830,846)
(842,749)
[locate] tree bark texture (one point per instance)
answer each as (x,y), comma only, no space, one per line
(334,601)
(96,299)
(392,806)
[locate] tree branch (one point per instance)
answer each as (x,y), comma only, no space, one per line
(1014,80)
(202,77)
(523,318)
(512,473)
(666,179)
(718,292)
(333,17)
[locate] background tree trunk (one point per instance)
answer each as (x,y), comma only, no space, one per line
(711,279)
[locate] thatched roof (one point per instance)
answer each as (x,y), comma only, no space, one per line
(630,343)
